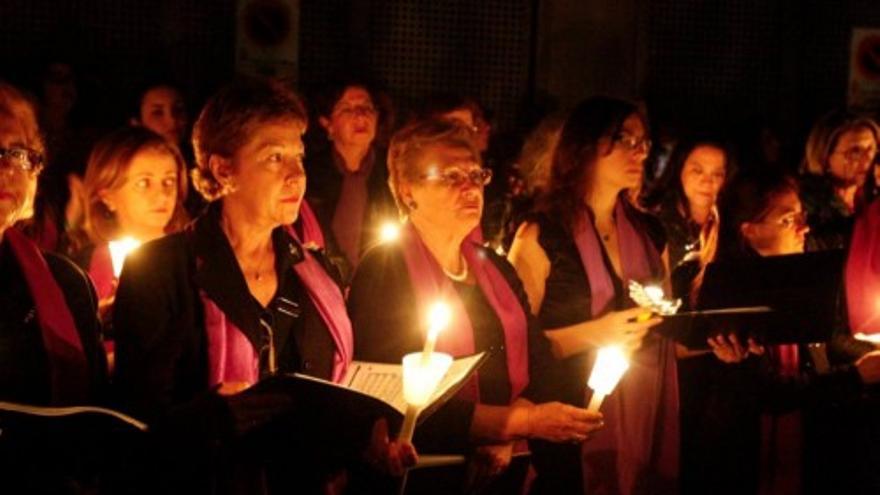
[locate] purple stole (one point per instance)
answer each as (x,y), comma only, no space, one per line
(641,434)
(101,271)
(68,368)
(430,284)
(232,357)
(312,233)
(863,272)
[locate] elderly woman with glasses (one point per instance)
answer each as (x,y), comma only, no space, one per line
(437,179)
(205,314)
(50,350)
(839,153)
(585,242)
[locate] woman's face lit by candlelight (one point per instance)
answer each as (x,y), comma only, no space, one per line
(703,175)
(144,203)
(852,156)
(163,111)
(620,164)
(353,119)
(266,173)
(445,191)
(17,186)
(781,230)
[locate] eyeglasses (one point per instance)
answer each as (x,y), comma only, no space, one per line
(633,143)
(26,159)
(457,177)
(793,220)
(858,153)
(351,111)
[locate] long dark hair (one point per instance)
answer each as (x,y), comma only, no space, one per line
(576,154)
(668,187)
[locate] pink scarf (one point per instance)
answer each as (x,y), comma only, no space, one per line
(101,271)
(863,273)
(232,358)
(642,435)
(430,284)
(312,233)
(67,361)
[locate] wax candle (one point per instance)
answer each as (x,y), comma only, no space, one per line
(611,363)
(119,250)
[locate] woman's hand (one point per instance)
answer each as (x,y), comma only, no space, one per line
(627,328)
(558,422)
(729,350)
(392,457)
(487,462)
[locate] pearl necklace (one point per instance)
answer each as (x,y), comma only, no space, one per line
(458,277)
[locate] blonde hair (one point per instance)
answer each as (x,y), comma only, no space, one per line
(825,133)
(410,145)
(108,165)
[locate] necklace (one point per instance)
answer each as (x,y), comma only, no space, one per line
(461,276)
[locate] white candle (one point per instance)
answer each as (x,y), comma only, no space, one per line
(611,363)
(119,250)
(419,382)
(438,318)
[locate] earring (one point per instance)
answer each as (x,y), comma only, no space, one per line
(412,205)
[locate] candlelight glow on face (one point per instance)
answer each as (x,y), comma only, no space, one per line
(119,250)
(389,232)
(611,364)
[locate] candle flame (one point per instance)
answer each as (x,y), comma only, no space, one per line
(439,317)
(389,231)
(611,363)
(119,250)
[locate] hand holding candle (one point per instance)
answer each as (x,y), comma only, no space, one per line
(423,371)
(611,363)
(119,250)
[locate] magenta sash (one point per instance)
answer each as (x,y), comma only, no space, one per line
(67,362)
(430,284)
(863,273)
(101,271)
(312,233)
(637,451)
(232,357)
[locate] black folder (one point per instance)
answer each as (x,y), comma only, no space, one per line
(801,293)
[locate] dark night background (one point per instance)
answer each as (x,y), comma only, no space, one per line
(696,62)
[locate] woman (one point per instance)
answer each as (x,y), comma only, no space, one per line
(50,349)
(684,197)
(575,258)
(206,313)
(349,194)
(840,150)
(733,450)
(135,186)
(437,180)
(161,108)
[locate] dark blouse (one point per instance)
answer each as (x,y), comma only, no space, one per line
(387,326)
(682,234)
(24,372)
(567,300)
(831,223)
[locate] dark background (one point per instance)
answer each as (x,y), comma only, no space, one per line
(695,62)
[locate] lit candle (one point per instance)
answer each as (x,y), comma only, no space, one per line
(420,379)
(389,231)
(119,250)
(611,363)
(438,317)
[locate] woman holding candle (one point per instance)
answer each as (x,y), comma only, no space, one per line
(206,313)
(437,180)
(574,257)
(50,349)
(135,186)
(349,194)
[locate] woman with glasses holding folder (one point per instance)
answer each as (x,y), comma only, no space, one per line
(202,316)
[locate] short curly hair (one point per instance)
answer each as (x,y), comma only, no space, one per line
(410,144)
(229,118)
